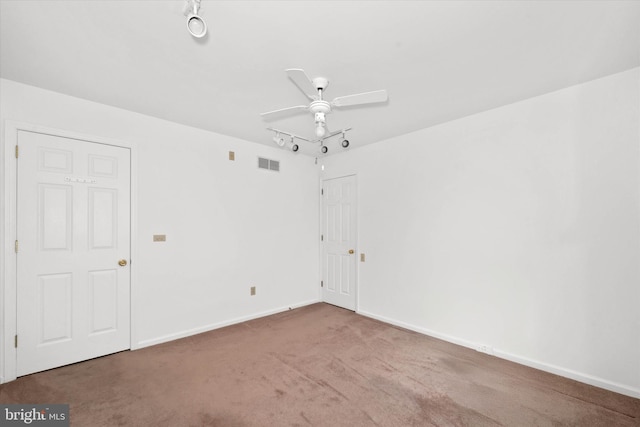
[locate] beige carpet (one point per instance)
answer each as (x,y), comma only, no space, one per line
(317,366)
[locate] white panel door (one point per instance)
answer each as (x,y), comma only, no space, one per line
(73,219)
(339,242)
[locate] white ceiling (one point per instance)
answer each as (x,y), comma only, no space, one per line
(438,60)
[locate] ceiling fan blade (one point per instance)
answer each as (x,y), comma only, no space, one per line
(360,98)
(288,109)
(304,83)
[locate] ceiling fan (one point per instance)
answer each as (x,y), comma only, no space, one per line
(314,90)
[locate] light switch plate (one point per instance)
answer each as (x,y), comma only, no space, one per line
(361,257)
(159,237)
(232,155)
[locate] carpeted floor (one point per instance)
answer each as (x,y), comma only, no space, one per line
(321,366)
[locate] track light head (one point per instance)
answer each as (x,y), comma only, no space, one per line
(293,147)
(344,143)
(324,149)
(197,27)
(195,24)
(278,140)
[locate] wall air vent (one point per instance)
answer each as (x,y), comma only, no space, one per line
(272,165)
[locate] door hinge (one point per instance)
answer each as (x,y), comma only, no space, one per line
(16,246)
(321,238)
(15,341)
(321,190)
(17,151)
(321,285)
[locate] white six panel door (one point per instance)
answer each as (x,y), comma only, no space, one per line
(73,218)
(338,242)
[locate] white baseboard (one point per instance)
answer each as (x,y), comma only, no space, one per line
(210,327)
(574,375)
(557,370)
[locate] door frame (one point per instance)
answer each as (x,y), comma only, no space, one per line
(357,230)
(8,267)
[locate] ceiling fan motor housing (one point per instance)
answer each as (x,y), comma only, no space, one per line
(320,106)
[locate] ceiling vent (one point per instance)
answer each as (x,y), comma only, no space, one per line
(268,164)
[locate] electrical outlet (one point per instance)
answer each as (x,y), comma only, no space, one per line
(253,290)
(361,257)
(232,155)
(159,237)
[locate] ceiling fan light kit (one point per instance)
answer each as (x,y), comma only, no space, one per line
(320,129)
(320,108)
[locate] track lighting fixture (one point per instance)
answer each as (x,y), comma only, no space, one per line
(344,142)
(291,145)
(195,24)
(278,140)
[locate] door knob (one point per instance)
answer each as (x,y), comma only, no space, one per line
(122,262)
(351,251)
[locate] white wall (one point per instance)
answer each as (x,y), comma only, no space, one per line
(229,225)
(517,228)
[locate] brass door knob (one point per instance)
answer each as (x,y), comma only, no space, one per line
(122,262)
(351,251)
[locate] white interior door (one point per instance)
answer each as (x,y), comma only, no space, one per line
(73,230)
(339,242)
